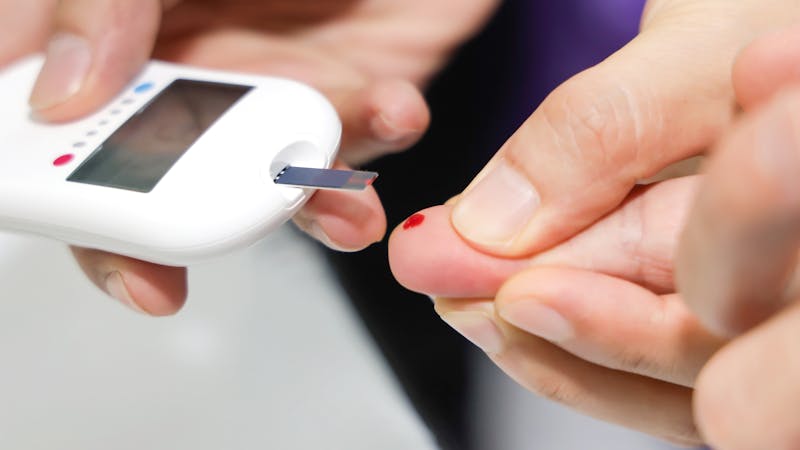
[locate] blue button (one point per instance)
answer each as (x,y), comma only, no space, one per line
(144,87)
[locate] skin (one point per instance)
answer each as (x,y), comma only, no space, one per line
(664,97)
(638,349)
(360,53)
(625,353)
(760,315)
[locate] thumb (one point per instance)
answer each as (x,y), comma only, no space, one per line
(96,47)
(664,97)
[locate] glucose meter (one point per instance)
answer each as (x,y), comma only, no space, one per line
(179,168)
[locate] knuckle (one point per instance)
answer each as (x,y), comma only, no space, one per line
(597,119)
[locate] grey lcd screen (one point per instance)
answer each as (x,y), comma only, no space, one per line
(141,151)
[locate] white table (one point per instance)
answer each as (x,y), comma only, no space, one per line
(266,354)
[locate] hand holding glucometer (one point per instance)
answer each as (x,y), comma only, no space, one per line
(185,164)
(94,49)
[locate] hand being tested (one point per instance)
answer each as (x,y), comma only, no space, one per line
(575,324)
(595,322)
(370,57)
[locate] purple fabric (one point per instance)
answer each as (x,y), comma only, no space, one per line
(541,44)
(567,36)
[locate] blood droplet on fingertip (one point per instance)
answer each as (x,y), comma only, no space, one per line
(414,221)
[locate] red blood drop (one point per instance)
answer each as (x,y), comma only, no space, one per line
(63,160)
(414,221)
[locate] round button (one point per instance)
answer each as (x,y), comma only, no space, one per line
(144,87)
(63,160)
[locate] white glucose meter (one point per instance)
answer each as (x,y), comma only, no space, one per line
(180,167)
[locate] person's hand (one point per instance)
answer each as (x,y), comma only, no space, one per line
(738,261)
(575,324)
(370,57)
(665,96)
(582,323)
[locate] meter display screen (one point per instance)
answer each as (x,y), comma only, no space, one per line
(141,151)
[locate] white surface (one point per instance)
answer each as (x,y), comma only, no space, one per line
(267,354)
(217,197)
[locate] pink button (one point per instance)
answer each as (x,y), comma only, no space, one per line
(63,160)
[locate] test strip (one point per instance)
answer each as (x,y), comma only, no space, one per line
(349,180)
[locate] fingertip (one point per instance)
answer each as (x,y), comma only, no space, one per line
(426,255)
(400,112)
(551,302)
(444,306)
(67,63)
(95,50)
(526,285)
(344,221)
(410,260)
(475,320)
(157,290)
(385,117)
(148,288)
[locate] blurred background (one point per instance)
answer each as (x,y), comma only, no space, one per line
(290,346)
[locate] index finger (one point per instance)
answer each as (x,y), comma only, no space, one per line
(148,288)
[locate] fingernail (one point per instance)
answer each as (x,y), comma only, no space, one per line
(496,210)
(67,63)
(538,319)
(116,288)
(477,328)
